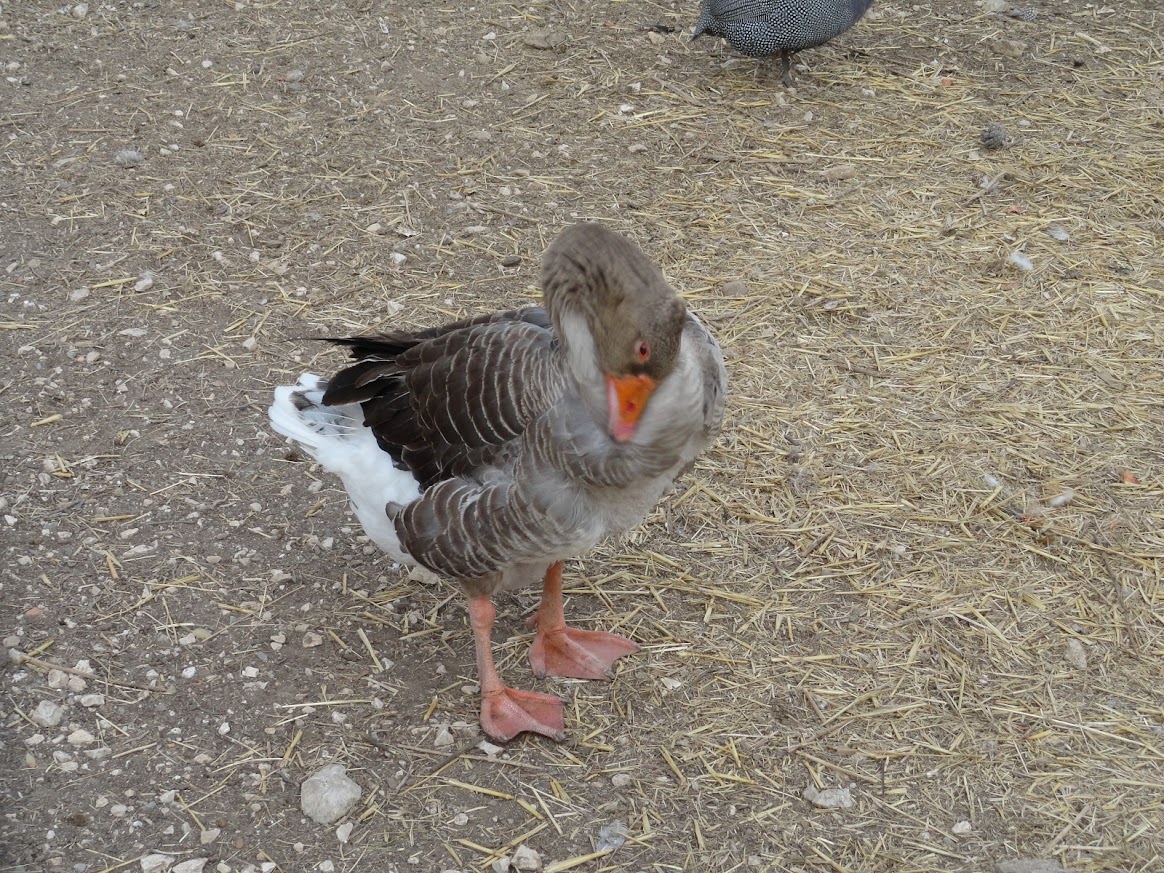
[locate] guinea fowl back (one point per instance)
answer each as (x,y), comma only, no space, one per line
(760,28)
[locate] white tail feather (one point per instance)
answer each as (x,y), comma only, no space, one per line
(336,437)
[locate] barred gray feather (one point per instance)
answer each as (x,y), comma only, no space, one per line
(499,419)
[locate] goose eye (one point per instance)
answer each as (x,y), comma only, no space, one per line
(644,350)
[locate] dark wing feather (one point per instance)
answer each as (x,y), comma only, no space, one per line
(447,401)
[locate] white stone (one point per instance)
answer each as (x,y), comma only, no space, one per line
(91,701)
(830,798)
(344,832)
(190,865)
(526,859)
(209,835)
(157,862)
(961,828)
(328,794)
(1076,654)
(48,714)
(81,737)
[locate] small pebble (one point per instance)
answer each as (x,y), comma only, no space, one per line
(47,714)
(736,288)
(328,794)
(80,10)
(443,738)
(961,828)
(157,863)
(830,798)
(344,832)
(209,835)
(128,158)
(620,780)
(545,40)
(525,859)
(1076,654)
(81,737)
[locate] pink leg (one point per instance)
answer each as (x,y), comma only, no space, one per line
(565,651)
(507,712)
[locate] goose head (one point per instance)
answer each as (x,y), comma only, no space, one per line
(619,322)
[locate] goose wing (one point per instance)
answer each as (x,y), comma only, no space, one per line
(448,401)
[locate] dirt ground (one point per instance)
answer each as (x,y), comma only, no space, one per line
(923,562)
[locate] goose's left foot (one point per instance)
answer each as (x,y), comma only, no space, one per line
(558,650)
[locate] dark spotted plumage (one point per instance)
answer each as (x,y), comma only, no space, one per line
(760,28)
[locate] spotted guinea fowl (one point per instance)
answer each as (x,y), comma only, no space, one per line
(490,449)
(760,28)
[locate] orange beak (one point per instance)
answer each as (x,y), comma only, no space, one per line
(626,398)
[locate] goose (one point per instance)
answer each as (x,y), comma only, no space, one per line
(491,449)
